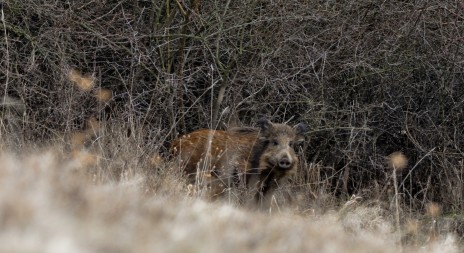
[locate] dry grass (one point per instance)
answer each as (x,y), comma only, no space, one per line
(53,203)
(105,87)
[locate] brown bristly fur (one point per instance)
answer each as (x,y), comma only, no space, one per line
(257,157)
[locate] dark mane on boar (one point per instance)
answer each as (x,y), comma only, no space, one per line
(254,157)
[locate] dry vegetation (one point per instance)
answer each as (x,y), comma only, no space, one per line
(50,204)
(94,91)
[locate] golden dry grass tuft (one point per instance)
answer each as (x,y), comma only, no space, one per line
(397,161)
(103,95)
(433,210)
(83,82)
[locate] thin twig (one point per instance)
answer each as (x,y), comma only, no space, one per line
(7,56)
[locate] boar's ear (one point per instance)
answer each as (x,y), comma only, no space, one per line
(301,130)
(264,124)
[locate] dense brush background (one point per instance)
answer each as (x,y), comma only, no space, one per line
(369,77)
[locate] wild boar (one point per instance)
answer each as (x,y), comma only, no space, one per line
(257,157)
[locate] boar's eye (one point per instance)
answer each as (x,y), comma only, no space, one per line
(274,142)
(295,144)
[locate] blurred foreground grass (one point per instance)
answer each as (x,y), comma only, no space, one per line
(52,203)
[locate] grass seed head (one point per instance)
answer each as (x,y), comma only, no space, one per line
(84,158)
(78,140)
(84,83)
(397,161)
(433,210)
(157,161)
(103,95)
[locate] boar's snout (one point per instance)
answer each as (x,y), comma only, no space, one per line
(285,162)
